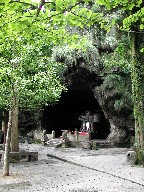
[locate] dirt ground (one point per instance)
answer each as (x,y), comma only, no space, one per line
(74,170)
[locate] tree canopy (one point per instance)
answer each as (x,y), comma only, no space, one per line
(42,19)
(31,72)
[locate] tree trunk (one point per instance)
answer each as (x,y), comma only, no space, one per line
(14,127)
(7,148)
(5,124)
(137,94)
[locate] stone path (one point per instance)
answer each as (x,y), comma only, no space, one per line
(74,170)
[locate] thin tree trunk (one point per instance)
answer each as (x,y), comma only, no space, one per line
(15,106)
(14,127)
(7,148)
(5,125)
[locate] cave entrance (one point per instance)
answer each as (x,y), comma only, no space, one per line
(67,113)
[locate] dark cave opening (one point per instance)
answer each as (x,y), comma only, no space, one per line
(65,114)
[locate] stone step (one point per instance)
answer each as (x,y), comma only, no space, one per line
(103,144)
(85,144)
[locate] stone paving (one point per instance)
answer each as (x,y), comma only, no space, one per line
(76,170)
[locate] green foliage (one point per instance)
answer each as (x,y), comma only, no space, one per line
(125,102)
(134,11)
(19,19)
(119,88)
(120,58)
(33,75)
(28,18)
(70,54)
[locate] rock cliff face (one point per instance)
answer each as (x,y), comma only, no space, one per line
(90,91)
(107,94)
(121,123)
(111,89)
(76,101)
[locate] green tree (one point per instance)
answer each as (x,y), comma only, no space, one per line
(29,79)
(130,20)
